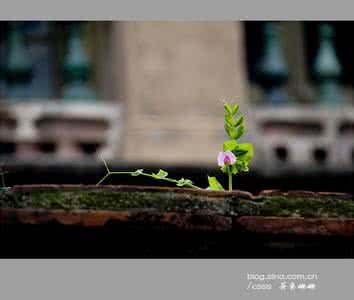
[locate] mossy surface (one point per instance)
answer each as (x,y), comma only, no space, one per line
(109,200)
(311,207)
(164,201)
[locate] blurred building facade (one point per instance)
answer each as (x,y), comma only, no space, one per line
(150,92)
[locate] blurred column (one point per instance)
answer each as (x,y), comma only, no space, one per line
(328,69)
(77,68)
(174,75)
(18,68)
(273,72)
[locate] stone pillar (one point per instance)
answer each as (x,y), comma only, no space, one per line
(174,75)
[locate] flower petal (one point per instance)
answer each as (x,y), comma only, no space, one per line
(221,159)
(231,157)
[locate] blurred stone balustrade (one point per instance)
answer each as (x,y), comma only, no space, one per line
(304,139)
(62,131)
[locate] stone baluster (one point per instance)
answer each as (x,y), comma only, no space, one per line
(273,72)
(77,69)
(18,67)
(327,68)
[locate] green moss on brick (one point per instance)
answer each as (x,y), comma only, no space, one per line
(296,207)
(161,201)
(110,200)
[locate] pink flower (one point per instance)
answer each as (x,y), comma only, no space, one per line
(226,158)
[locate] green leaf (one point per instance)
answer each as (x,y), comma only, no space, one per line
(214,184)
(229,130)
(245,169)
(228,108)
(234,169)
(239,121)
(162,174)
(239,152)
(242,166)
(247,150)
(225,169)
(240,131)
(183,182)
(230,145)
(235,109)
(229,120)
(137,172)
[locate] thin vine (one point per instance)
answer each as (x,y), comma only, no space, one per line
(2,176)
(161,175)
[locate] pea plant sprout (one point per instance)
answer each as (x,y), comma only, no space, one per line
(234,158)
(2,179)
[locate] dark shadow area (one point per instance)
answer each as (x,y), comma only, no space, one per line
(116,240)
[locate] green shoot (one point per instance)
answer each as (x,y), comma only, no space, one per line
(235,156)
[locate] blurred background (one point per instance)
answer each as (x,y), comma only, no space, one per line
(148,95)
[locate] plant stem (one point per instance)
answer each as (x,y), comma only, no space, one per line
(103,179)
(147,175)
(3,180)
(230,180)
(2,174)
